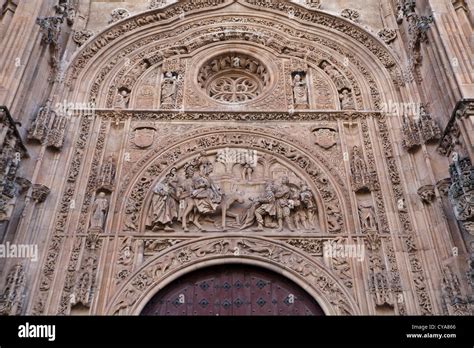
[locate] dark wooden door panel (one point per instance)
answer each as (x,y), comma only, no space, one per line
(232,290)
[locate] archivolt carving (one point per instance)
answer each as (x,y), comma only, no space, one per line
(297,47)
(162,47)
(333,297)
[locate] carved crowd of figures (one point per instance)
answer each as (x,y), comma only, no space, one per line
(196,195)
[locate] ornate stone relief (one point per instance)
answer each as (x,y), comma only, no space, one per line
(418,27)
(39,129)
(184,6)
(81,36)
(135,201)
(100,210)
(379,282)
(56,241)
(154,4)
(39,193)
(429,129)
(411,138)
(12,152)
(461,192)
(200,41)
(106,179)
(408,238)
(323,94)
(233,78)
(451,137)
(325,137)
(362,179)
(427,194)
(118,14)
(11,297)
(57,132)
(131,293)
(85,283)
(198,191)
(387,35)
(454,302)
(353,15)
(125,259)
(314,4)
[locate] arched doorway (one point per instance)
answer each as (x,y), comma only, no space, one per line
(232,290)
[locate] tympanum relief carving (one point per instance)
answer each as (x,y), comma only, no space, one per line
(232,189)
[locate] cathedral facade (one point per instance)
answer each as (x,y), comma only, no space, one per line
(237,157)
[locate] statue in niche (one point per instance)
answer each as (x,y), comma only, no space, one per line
(122,98)
(100,210)
(347,101)
(300,91)
(164,208)
(168,89)
(368,222)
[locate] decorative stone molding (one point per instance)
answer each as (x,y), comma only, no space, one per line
(451,137)
(411,139)
(443,186)
(118,14)
(54,246)
(362,178)
(39,128)
(333,297)
(353,15)
(167,115)
(157,4)
(12,151)
(429,129)
(66,9)
(426,194)
(11,297)
(461,192)
(454,301)
(387,35)
(57,132)
(39,193)
(81,36)
(184,6)
(314,4)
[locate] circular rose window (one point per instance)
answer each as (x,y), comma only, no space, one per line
(234,88)
(233,78)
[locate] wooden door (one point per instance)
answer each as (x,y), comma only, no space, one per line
(232,290)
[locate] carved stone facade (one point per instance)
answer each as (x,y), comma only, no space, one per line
(176,135)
